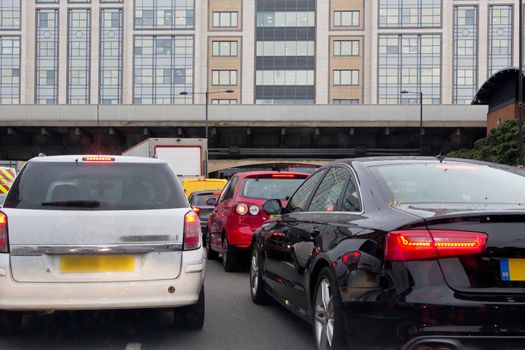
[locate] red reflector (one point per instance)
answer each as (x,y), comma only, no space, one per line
(192,231)
(351,259)
(3,233)
(284,176)
(423,245)
(98,159)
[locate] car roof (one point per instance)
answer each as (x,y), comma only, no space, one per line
(374,161)
(75,158)
(246,174)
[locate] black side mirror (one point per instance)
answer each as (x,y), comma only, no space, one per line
(273,207)
(211,202)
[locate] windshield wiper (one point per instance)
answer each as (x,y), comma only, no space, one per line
(81,204)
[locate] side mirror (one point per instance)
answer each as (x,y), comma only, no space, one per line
(211,202)
(272,207)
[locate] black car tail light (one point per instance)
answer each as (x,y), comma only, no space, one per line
(424,245)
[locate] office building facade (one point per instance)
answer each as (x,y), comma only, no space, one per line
(252,51)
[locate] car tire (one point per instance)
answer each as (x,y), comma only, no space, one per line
(257,290)
(228,257)
(10,322)
(210,253)
(328,319)
(191,317)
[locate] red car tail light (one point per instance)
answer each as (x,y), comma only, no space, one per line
(423,245)
(196,209)
(192,231)
(241,209)
(4,246)
(283,176)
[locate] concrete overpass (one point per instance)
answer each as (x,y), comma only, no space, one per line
(240,132)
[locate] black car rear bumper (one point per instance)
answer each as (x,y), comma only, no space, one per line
(394,325)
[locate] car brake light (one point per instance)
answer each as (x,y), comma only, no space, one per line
(196,209)
(4,247)
(284,176)
(241,209)
(217,193)
(192,231)
(98,159)
(423,245)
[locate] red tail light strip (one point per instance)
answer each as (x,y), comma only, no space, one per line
(423,245)
(98,159)
(4,246)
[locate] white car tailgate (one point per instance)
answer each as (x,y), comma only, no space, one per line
(92,246)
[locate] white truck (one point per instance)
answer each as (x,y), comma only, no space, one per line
(187,157)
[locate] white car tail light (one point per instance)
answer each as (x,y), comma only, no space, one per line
(192,231)
(4,247)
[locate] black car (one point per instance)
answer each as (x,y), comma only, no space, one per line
(390,253)
(203,203)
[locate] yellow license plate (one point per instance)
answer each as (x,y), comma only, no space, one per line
(96,263)
(512,269)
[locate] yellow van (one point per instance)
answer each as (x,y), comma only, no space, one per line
(197,184)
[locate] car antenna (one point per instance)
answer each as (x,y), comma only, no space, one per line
(440,157)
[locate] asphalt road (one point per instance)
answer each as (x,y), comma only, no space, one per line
(232,322)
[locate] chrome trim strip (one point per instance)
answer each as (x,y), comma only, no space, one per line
(94,249)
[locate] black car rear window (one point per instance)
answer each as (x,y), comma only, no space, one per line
(96,186)
(453,183)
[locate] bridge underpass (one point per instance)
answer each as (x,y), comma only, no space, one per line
(241,132)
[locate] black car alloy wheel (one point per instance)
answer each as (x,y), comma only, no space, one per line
(228,259)
(328,322)
(256,283)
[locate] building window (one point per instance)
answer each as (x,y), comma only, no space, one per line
(224,77)
(10,14)
(224,48)
(285,48)
(285,78)
(409,13)
(46,64)
(409,62)
(465,68)
(225,19)
(164,14)
(110,85)
(79,1)
(346,18)
(346,77)
(79,56)
(345,101)
(111,1)
(286,19)
(500,38)
(223,102)
(9,69)
(163,68)
(346,48)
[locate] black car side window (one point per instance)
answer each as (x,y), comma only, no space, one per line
(351,201)
(299,200)
(330,189)
(228,191)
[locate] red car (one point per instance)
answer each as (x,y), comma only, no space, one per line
(238,212)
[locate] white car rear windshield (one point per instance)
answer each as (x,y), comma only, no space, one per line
(96,186)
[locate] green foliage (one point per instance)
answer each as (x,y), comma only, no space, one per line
(500,146)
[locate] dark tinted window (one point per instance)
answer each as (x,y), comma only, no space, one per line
(229,190)
(95,186)
(201,199)
(300,199)
(270,188)
(453,183)
(329,191)
(351,200)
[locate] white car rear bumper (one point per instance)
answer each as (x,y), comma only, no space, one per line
(18,296)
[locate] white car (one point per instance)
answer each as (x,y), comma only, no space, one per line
(99,232)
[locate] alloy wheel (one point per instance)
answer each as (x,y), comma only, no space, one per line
(254,272)
(324,315)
